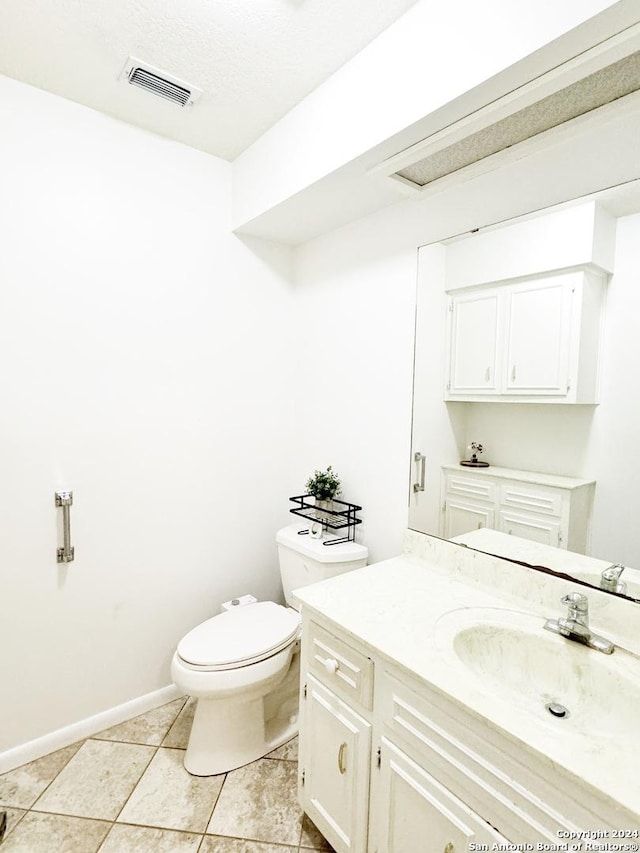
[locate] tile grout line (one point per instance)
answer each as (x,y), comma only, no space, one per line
(146,767)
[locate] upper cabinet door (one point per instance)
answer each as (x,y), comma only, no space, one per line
(538,326)
(533,341)
(473,364)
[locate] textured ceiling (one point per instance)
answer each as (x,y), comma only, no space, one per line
(254,59)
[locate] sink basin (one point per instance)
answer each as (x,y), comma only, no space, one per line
(512,658)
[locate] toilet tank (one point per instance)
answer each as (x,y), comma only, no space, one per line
(305,560)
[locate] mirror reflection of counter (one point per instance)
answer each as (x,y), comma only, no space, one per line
(585,570)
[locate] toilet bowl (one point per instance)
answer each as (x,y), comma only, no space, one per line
(230,663)
(243,665)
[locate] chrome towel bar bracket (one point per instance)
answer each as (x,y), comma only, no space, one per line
(66,553)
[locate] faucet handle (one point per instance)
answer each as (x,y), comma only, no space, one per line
(576,602)
(612,573)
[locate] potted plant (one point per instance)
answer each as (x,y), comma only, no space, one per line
(324,486)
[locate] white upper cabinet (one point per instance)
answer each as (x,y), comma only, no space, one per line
(474,338)
(531,341)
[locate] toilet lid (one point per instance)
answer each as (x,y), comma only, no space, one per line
(247,634)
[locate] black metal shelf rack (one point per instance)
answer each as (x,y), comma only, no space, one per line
(342,515)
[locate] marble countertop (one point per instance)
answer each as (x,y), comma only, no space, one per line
(393,607)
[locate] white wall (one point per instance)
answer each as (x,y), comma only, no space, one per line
(354,303)
(433,55)
(144,365)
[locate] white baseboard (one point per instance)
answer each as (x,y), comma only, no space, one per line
(60,738)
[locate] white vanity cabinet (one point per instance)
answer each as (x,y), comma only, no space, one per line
(365,797)
(412,806)
(334,766)
(544,508)
(401,767)
(531,341)
(335,742)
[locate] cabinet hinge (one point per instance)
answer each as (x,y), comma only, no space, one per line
(304,690)
(379,756)
(444,506)
(448,385)
(450,306)
(302,777)
(568,385)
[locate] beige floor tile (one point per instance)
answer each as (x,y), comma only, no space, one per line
(287,752)
(259,802)
(97,781)
(144,839)
(22,787)
(149,728)
(178,735)
(218,844)
(312,838)
(169,797)
(13,816)
(52,833)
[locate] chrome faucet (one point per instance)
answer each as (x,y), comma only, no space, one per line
(610,579)
(575,626)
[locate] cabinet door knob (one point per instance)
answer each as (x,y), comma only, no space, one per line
(342,767)
(448,847)
(331,665)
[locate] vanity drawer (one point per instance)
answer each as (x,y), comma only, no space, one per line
(531,498)
(344,669)
(485,771)
(475,487)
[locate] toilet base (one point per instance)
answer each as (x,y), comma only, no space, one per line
(227,734)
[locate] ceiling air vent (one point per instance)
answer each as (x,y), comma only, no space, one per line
(159,83)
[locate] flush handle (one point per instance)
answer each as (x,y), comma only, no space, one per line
(66,553)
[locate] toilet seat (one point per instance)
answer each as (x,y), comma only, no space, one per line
(239,637)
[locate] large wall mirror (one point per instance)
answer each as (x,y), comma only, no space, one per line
(528,343)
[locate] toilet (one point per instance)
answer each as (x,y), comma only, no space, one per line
(243,665)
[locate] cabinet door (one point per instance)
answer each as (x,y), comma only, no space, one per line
(538,337)
(473,367)
(334,768)
(414,812)
(461,516)
(537,528)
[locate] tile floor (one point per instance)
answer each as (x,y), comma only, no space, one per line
(125,790)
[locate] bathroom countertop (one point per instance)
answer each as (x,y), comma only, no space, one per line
(538,478)
(399,604)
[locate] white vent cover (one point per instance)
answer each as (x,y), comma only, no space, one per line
(159,82)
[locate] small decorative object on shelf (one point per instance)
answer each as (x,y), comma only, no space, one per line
(473,450)
(324,486)
(326,513)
